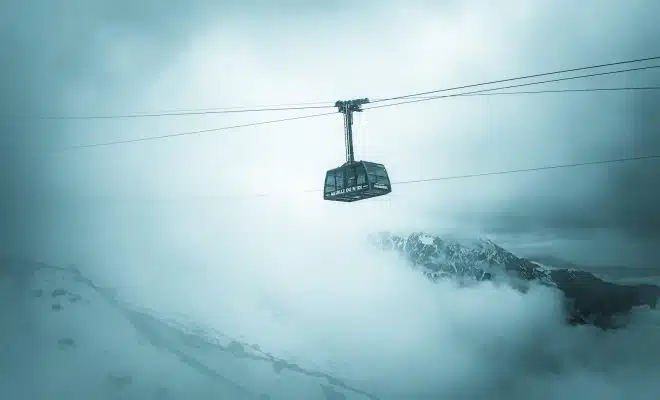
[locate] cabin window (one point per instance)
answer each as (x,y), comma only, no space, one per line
(378,175)
(361,174)
(329,182)
(351,178)
(381,176)
(339,179)
(362,177)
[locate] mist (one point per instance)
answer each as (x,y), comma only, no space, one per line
(174,224)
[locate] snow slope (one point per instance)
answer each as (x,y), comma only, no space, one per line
(58,326)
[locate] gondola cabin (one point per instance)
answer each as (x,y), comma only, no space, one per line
(355,181)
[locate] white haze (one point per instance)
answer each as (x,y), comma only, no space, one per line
(322,297)
(156,220)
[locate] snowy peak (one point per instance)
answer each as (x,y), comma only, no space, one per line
(458,258)
(589,299)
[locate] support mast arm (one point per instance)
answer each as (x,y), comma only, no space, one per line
(347,108)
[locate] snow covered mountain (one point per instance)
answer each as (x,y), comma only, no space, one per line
(478,259)
(76,340)
(589,299)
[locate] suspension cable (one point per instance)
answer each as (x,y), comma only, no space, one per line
(190,133)
(518,78)
(417,100)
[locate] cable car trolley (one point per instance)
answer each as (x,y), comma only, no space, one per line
(354,180)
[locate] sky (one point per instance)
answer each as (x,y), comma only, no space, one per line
(155,216)
(95,58)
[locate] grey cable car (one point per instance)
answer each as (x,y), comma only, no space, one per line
(355,180)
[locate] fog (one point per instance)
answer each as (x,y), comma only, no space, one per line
(175,225)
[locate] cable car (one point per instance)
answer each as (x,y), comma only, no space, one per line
(355,180)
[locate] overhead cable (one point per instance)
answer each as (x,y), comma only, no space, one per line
(520,170)
(179,113)
(190,133)
(533,169)
(518,78)
(417,100)
(614,89)
(480,174)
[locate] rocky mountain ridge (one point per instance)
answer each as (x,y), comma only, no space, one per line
(589,299)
